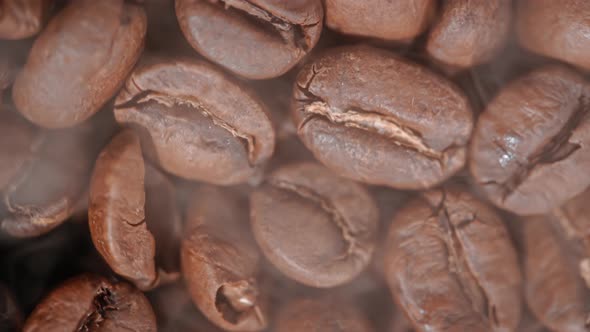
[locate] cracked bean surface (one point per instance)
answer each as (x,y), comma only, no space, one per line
(529,151)
(257,39)
(376,118)
(315,227)
(451,266)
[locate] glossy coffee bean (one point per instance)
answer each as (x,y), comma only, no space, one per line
(399,20)
(529,149)
(132,215)
(314,226)
(557,29)
(451,266)
(92,303)
(373,117)
(255,39)
(79,61)
(320,315)
(469,33)
(220,261)
(21,19)
(196,121)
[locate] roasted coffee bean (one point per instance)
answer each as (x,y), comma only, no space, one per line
(321,315)
(132,216)
(469,32)
(373,117)
(557,29)
(200,124)
(399,20)
(220,261)
(79,61)
(451,265)
(314,226)
(554,289)
(22,18)
(43,173)
(528,151)
(255,39)
(10,314)
(92,303)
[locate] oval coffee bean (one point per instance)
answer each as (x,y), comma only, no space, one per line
(451,266)
(529,149)
(200,123)
(469,33)
(256,39)
(132,216)
(79,61)
(321,315)
(373,117)
(21,19)
(557,29)
(400,20)
(554,290)
(92,303)
(220,261)
(314,226)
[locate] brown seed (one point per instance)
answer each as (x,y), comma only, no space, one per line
(21,19)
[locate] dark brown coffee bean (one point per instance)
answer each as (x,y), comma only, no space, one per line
(79,61)
(256,39)
(11,319)
(557,29)
(200,124)
(376,118)
(528,151)
(21,19)
(43,173)
(400,20)
(314,226)
(451,266)
(220,261)
(469,32)
(92,303)
(321,315)
(132,216)
(554,289)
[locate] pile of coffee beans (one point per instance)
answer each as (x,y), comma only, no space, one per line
(295,165)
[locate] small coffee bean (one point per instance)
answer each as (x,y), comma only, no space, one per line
(529,149)
(451,265)
(373,117)
(399,20)
(314,226)
(321,315)
(21,19)
(79,61)
(200,123)
(220,261)
(92,303)
(256,39)
(557,29)
(10,314)
(469,33)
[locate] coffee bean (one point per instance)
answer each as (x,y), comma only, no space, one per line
(79,61)
(256,39)
(132,216)
(400,20)
(557,29)
(373,117)
(21,19)
(92,303)
(220,261)
(314,226)
(200,123)
(528,151)
(10,313)
(451,266)
(320,315)
(469,33)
